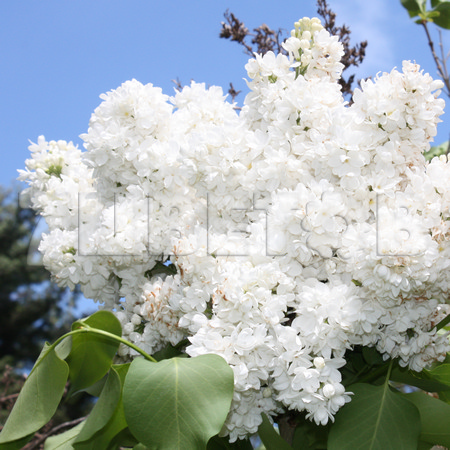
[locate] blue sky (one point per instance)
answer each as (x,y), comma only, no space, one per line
(58,56)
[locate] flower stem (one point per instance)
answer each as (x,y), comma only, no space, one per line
(87,329)
(445,321)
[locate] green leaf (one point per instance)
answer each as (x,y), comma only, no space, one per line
(39,397)
(414,7)
(64,347)
(372,356)
(375,419)
(435,418)
(104,408)
(177,403)
(123,439)
(16,445)
(96,389)
(167,352)
(310,436)
(441,374)
(423,380)
(443,19)
(424,446)
(301,439)
(444,396)
(223,443)
(357,361)
(92,354)
(437,150)
(107,418)
(270,438)
(64,440)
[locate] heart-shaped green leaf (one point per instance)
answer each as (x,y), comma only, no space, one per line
(177,403)
(375,419)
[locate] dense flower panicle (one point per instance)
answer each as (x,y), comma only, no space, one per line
(57,174)
(279,237)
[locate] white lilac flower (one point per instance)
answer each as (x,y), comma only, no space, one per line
(278,237)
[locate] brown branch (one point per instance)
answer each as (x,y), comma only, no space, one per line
(444,58)
(353,56)
(263,38)
(40,438)
(236,31)
(178,85)
(441,63)
(7,398)
(441,70)
(233,92)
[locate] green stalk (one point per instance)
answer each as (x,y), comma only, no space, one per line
(87,329)
(445,321)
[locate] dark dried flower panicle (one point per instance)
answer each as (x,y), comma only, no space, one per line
(235,30)
(266,40)
(233,92)
(353,56)
(263,39)
(178,85)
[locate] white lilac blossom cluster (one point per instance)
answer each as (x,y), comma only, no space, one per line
(279,237)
